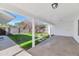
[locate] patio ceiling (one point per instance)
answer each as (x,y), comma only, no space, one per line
(11,17)
(5,17)
(44,11)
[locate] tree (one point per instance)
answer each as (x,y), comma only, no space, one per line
(18,26)
(40,28)
(21,25)
(9,28)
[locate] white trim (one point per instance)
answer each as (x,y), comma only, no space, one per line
(33,33)
(49,30)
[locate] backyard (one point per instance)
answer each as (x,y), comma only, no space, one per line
(25,39)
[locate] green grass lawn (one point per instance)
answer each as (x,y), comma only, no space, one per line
(25,39)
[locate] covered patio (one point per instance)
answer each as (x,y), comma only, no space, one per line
(30,31)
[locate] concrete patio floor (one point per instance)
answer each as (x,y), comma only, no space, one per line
(5,43)
(56,46)
(10,48)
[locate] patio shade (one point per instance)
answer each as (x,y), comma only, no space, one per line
(18,18)
(11,18)
(4,17)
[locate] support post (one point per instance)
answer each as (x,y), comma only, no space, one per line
(49,30)
(33,33)
(6,30)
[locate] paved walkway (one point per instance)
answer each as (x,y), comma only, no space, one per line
(56,46)
(10,48)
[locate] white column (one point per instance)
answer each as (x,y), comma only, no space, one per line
(49,30)
(6,29)
(33,33)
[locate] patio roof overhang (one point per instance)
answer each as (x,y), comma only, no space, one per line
(17,18)
(9,17)
(5,17)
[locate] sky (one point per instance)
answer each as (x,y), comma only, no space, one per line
(18,18)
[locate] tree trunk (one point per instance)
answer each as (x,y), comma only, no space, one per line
(19,30)
(9,30)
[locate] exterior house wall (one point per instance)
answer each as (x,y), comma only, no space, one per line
(64,28)
(76,29)
(15,30)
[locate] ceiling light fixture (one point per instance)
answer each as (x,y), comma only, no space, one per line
(54,5)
